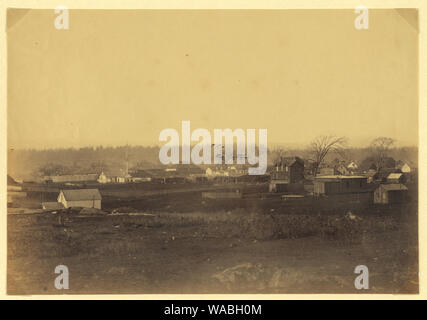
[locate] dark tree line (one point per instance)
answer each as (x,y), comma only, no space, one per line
(31,164)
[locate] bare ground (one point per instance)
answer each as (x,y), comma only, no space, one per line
(182,252)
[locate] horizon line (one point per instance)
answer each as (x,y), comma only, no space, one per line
(269,146)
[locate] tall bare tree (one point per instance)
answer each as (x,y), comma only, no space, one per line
(380,148)
(323,145)
(277,154)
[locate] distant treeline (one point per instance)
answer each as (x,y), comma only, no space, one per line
(31,164)
(405,154)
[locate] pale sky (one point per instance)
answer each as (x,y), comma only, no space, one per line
(118,77)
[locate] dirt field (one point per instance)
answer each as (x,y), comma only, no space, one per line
(225,251)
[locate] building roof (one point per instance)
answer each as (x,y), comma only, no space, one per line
(158,173)
(73,177)
(187,169)
(169,172)
(339,177)
(393,187)
(52,205)
(114,172)
(81,194)
(394,176)
(352,165)
(385,172)
(141,174)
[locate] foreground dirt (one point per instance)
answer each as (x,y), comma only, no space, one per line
(189,253)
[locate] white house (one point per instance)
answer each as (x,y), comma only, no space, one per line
(103,178)
(352,165)
(114,176)
(405,168)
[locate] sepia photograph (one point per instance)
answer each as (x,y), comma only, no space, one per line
(212,151)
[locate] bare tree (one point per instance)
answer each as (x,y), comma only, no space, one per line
(323,145)
(380,148)
(277,154)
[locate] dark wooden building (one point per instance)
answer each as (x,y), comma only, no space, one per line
(286,172)
(326,185)
(391,193)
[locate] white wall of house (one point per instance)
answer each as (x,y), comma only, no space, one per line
(353,165)
(406,168)
(103,178)
(62,199)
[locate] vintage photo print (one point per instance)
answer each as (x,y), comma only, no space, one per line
(262,151)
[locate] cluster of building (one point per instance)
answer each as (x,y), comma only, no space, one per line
(387,185)
(116,176)
(172,174)
(290,175)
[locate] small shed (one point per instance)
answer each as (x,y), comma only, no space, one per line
(391,193)
(85,198)
(336,184)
